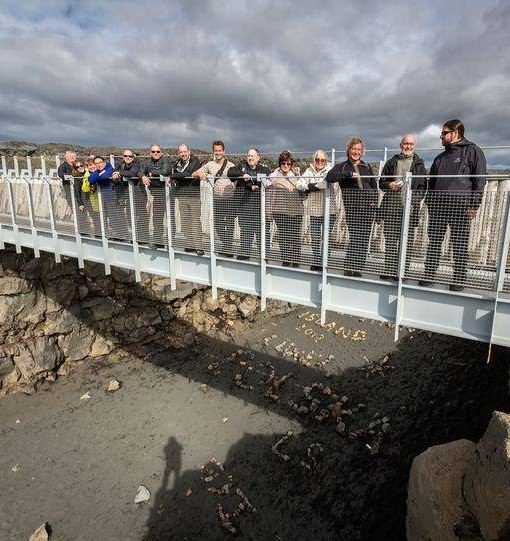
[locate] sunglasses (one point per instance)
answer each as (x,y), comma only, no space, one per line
(446,132)
(285,163)
(322,160)
(127,156)
(155,151)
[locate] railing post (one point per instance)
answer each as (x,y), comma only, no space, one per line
(333,156)
(500,276)
(171,252)
(75,222)
(13,215)
(134,238)
(57,161)
(29,166)
(214,282)
(262,237)
(43,165)
(112,160)
(404,235)
(107,269)
(35,240)
(4,166)
(16,166)
(325,246)
(51,209)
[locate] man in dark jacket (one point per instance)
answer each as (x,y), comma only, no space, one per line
(392,204)
(66,169)
(127,170)
(453,201)
(151,170)
(247,198)
(187,191)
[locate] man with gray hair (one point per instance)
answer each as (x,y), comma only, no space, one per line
(66,169)
(187,191)
(392,204)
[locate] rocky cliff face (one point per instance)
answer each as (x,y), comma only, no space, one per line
(54,315)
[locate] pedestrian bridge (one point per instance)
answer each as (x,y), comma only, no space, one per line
(43,215)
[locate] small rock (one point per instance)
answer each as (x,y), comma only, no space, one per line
(142,495)
(204,387)
(85,396)
(16,468)
(42,533)
(113,386)
(225,419)
(18,421)
(340,427)
(189,492)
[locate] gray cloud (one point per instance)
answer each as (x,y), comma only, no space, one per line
(253,72)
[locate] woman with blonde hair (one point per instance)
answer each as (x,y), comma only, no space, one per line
(313,182)
(358,185)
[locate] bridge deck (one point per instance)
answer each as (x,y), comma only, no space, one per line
(481,311)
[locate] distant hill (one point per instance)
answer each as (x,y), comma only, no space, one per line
(24,148)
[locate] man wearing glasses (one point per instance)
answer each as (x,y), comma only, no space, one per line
(128,169)
(453,201)
(151,170)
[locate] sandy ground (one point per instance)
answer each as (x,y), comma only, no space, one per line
(79,462)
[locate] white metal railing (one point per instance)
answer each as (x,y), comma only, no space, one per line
(407,235)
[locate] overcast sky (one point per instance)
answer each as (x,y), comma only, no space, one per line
(273,74)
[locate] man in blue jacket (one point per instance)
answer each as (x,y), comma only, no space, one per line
(453,201)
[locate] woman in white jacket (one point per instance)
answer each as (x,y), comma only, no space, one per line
(313,182)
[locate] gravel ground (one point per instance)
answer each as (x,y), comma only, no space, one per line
(198,427)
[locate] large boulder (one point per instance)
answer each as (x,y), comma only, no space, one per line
(13,285)
(60,292)
(435,504)
(62,322)
(77,345)
(487,484)
(38,356)
(25,307)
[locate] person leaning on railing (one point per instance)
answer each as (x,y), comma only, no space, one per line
(101,178)
(187,190)
(284,204)
(313,181)
(392,204)
(155,166)
(127,170)
(453,201)
(64,171)
(359,194)
(223,198)
(86,196)
(247,196)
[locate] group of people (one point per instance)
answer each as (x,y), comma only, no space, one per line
(452,192)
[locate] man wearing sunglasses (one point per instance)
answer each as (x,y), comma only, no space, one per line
(151,170)
(128,169)
(453,200)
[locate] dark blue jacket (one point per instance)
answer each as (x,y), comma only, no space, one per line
(461,158)
(103,177)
